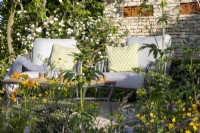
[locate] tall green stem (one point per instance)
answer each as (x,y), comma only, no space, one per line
(80,86)
(163,23)
(162,66)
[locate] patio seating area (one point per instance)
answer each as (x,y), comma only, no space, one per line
(92,66)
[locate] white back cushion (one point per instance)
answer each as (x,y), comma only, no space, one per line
(143,56)
(42,48)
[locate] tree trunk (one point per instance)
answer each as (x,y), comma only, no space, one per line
(9,26)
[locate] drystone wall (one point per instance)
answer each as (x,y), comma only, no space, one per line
(186,28)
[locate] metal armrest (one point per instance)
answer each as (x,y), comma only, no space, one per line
(102,65)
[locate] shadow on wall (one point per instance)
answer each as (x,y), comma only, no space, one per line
(184,30)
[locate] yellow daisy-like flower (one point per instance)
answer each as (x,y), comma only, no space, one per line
(23,83)
(192,123)
(143,117)
(152,115)
(16,75)
(183,109)
(16,91)
(171,125)
(195,118)
(14,99)
(30,83)
(173,119)
(40,95)
(188,114)
(152,121)
(138,115)
(195,128)
(188,131)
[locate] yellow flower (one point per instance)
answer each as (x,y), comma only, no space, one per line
(183,109)
(16,91)
(190,97)
(195,128)
(152,121)
(173,119)
(188,114)
(143,117)
(143,92)
(171,125)
(44,100)
(152,115)
(192,123)
(0,98)
(46,92)
(188,131)
(30,83)
(14,99)
(138,115)
(1,91)
(189,109)
(40,95)
(16,75)
(195,118)
(194,106)
(23,83)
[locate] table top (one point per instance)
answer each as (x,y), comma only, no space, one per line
(45,81)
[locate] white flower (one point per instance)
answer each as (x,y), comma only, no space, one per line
(60,1)
(45,23)
(99,52)
(18,34)
(101,57)
(39,29)
(32,26)
(59,29)
(86,38)
(19,12)
(56,19)
(47,33)
(51,21)
(62,21)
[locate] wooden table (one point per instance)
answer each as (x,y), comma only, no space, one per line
(10,85)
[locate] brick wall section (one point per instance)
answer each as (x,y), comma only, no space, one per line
(187,27)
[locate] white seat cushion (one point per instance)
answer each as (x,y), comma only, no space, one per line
(129,80)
